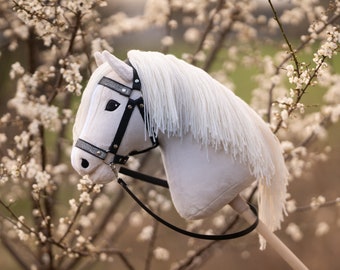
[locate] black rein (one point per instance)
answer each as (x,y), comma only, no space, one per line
(163,183)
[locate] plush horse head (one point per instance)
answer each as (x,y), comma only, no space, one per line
(213,144)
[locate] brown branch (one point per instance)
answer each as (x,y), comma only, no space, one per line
(58,244)
(15,217)
(72,223)
(292,51)
(68,52)
(335,202)
(17,256)
(125,261)
(207,30)
(219,42)
(112,210)
(151,245)
(101,226)
(325,122)
(165,48)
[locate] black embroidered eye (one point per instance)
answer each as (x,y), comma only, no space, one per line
(111,105)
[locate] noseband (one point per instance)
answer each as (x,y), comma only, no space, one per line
(130,106)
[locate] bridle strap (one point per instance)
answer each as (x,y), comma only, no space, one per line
(124,122)
(91,149)
(163,183)
(116,86)
(129,108)
(144,177)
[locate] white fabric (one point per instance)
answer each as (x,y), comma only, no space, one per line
(213,144)
(201,180)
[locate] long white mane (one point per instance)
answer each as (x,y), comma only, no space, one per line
(180,98)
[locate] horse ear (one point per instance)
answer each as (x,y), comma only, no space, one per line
(98,57)
(119,66)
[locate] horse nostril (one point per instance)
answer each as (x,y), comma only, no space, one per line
(84,163)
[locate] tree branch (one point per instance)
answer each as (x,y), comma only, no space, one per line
(207,30)
(292,52)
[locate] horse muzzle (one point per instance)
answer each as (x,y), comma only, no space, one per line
(99,171)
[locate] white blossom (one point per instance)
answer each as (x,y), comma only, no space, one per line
(294,232)
(16,70)
(136,219)
(161,254)
(317,201)
(167,41)
(192,35)
(73,205)
(42,179)
(322,229)
(22,235)
(72,76)
(85,198)
(146,233)
(291,206)
(42,237)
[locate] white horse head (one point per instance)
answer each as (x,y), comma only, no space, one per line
(213,144)
(98,118)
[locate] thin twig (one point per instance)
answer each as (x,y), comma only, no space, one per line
(59,80)
(292,51)
(96,232)
(207,30)
(335,202)
(301,94)
(17,256)
(165,48)
(75,216)
(151,245)
(219,42)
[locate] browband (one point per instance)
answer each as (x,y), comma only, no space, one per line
(116,86)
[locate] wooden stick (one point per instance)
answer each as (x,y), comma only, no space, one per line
(242,208)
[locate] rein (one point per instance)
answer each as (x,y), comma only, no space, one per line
(163,183)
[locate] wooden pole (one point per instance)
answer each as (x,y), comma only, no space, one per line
(242,208)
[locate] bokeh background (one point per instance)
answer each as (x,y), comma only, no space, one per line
(243,49)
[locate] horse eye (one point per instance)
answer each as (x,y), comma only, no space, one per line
(111,105)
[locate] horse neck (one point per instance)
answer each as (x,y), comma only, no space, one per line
(187,154)
(201,178)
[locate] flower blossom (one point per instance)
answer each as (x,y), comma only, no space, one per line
(294,231)
(146,234)
(161,254)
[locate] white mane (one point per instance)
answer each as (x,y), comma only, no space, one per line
(180,98)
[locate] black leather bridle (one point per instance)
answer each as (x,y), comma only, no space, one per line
(121,159)
(129,108)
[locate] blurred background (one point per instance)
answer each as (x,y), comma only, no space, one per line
(237,42)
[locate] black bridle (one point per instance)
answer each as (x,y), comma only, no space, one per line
(129,108)
(121,159)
